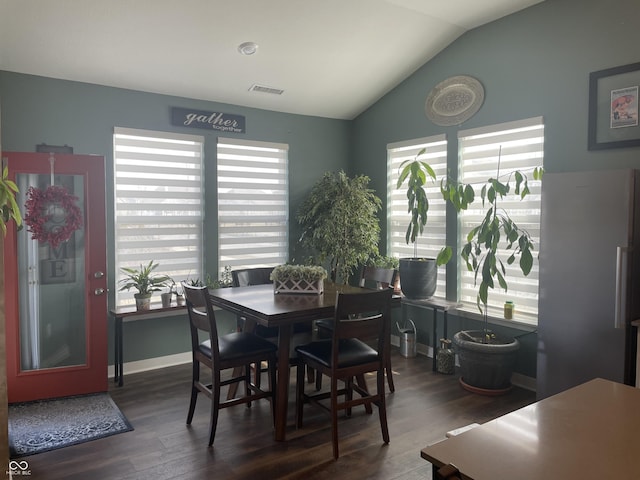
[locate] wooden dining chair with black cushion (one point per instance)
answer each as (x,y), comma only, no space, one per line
(237,350)
(345,357)
(373,278)
(301,332)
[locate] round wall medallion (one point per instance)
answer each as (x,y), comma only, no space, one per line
(454,100)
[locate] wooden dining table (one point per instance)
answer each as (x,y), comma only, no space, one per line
(587,432)
(259,304)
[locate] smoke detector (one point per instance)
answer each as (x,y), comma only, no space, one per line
(248,48)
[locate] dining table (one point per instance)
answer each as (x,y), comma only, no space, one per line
(260,304)
(587,432)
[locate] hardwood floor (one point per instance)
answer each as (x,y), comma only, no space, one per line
(424,406)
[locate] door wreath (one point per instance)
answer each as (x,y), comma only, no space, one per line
(52,214)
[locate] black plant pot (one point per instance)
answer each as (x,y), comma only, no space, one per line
(485,368)
(418,277)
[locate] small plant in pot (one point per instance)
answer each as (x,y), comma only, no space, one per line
(145,281)
(418,275)
(486,359)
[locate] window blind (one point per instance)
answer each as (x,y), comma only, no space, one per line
(434,236)
(158,203)
(517,145)
(253,203)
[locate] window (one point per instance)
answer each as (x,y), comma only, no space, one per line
(253,204)
(434,236)
(158,203)
(519,146)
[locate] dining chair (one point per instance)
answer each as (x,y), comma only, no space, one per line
(221,352)
(375,278)
(301,332)
(346,356)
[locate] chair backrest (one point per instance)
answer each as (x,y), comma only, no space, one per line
(379,278)
(201,317)
(365,315)
(251,276)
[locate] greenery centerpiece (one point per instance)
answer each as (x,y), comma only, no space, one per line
(298,279)
(145,281)
(340,224)
(418,274)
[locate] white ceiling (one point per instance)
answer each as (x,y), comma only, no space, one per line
(332,58)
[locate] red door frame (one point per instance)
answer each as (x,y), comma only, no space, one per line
(75,380)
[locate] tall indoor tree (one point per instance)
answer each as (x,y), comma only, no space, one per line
(340,223)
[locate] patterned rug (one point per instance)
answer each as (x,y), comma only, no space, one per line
(40,426)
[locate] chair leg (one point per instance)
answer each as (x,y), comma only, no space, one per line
(334,417)
(382,408)
(387,369)
(318,381)
(300,393)
(247,382)
(215,405)
(194,391)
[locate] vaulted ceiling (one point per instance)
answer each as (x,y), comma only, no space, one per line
(331,58)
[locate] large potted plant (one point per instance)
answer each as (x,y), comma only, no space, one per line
(340,224)
(418,275)
(486,359)
(145,281)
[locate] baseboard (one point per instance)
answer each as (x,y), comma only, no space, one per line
(152,363)
(517,379)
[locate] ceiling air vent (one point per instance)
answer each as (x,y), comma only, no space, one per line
(265,89)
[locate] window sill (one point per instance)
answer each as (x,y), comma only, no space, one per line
(523,322)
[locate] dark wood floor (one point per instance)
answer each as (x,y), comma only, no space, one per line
(424,406)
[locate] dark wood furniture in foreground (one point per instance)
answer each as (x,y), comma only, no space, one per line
(224,352)
(345,357)
(587,432)
(259,304)
(130,314)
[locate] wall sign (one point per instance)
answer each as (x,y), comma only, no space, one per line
(222,122)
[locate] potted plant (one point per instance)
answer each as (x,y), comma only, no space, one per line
(386,262)
(10,210)
(145,281)
(419,274)
(486,359)
(340,224)
(298,279)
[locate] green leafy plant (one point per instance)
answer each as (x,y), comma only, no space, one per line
(383,261)
(224,281)
(496,230)
(143,279)
(10,210)
(415,173)
(340,223)
(308,273)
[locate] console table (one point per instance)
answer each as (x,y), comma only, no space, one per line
(436,304)
(130,314)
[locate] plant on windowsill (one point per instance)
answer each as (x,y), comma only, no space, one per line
(8,205)
(298,279)
(145,281)
(418,275)
(487,360)
(340,224)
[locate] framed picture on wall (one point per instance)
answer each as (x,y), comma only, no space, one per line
(613,107)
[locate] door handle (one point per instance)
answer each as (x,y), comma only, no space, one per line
(99,291)
(98,274)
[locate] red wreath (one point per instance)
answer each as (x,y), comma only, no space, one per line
(40,219)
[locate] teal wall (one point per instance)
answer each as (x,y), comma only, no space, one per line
(532,63)
(42,110)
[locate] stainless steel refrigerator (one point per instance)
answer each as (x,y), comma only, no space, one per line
(589,278)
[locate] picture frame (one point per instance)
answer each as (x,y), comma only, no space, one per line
(613,107)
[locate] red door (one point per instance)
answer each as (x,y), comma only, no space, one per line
(55,285)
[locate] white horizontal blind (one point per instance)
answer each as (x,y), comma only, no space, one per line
(520,145)
(158,203)
(253,203)
(434,236)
